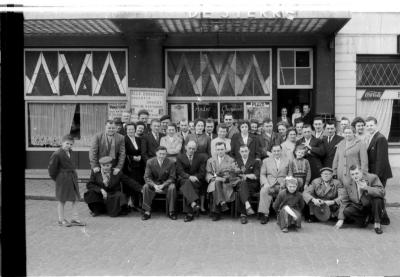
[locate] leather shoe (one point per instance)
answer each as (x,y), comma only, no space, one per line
(243,219)
(173,216)
(224,207)
(188,218)
(378,230)
(216,217)
(146,216)
(385,220)
(285,230)
(312,219)
(250,211)
(365,223)
(94,214)
(264,219)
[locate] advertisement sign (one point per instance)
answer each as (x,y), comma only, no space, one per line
(116,109)
(258,110)
(179,112)
(153,100)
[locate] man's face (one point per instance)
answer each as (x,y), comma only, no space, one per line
(299,127)
(244,152)
(268,127)
(111,129)
(370,126)
(282,130)
(161,154)
(300,153)
(326,176)
(191,127)
(155,127)
(356,174)
(307,133)
(130,130)
(360,128)
(67,144)
(291,187)
(222,133)
(164,124)
(276,151)
(106,167)
(220,150)
(344,123)
(125,117)
(331,129)
(184,126)
(228,119)
(143,118)
(191,148)
(171,131)
(318,125)
(284,112)
(348,134)
(209,127)
(306,109)
(199,127)
(140,130)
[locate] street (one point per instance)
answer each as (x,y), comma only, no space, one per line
(160,246)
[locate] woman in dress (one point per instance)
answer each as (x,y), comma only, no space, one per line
(203,141)
(172,141)
(289,144)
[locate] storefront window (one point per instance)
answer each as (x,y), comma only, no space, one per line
(295,68)
(236,109)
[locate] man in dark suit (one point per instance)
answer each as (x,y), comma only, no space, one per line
(250,182)
(184,133)
(307,117)
(330,141)
(267,139)
(108,143)
(315,150)
(284,117)
(210,129)
(151,141)
(191,172)
(159,177)
(143,116)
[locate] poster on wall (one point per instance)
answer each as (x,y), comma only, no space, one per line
(154,100)
(258,110)
(116,109)
(236,109)
(179,112)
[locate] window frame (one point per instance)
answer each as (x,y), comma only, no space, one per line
(311,62)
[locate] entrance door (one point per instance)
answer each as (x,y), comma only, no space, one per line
(290,98)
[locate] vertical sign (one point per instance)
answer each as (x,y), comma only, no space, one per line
(154,100)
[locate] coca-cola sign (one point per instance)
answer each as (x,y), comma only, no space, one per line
(372,94)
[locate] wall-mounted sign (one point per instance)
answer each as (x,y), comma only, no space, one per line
(258,110)
(372,94)
(116,109)
(152,99)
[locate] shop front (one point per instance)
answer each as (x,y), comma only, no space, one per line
(80,72)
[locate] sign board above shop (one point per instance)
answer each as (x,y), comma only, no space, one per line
(154,100)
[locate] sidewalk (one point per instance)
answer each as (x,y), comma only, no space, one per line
(39,186)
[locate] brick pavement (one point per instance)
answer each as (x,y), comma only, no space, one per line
(128,246)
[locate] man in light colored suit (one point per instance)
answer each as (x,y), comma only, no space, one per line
(274,170)
(108,143)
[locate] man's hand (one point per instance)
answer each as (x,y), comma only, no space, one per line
(104,194)
(116,170)
(317,202)
(362,185)
(251,176)
(193,179)
(339,224)
(96,169)
(158,188)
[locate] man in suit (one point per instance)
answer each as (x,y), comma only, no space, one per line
(299,128)
(184,133)
(108,143)
(361,198)
(210,129)
(318,124)
(220,183)
(378,157)
(151,140)
(267,138)
(330,141)
(159,177)
(284,117)
(344,121)
(250,169)
(191,172)
(274,170)
(228,120)
(315,150)
(307,117)
(164,120)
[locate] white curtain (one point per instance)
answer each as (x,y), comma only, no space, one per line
(93,118)
(49,123)
(381,109)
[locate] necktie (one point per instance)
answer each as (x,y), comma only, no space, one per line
(329,139)
(190,160)
(106,179)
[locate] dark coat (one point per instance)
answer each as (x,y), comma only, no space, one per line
(62,171)
(253,143)
(267,142)
(308,118)
(198,168)
(203,143)
(314,156)
(252,166)
(156,175)
(330,149)
(149,145)
(288,120)
(293,200)
(378,158)
(134,169)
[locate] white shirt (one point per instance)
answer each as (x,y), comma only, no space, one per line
(160,162)
(245,138)
(245,161)
(307,141)
(318,135)
(184,135)
(278,163)
(133,140)
(220,159)
(155,136)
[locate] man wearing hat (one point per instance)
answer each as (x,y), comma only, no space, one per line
(322,196)
(165,120)
(105,190)
(119,124)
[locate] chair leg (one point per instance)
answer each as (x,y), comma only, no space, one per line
(166,206)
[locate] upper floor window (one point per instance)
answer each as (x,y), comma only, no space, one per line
(295,68)
(378,71)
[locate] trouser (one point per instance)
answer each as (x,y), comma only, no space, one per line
(190,191)
(218,197)
(284,219)
(97,207)
(245,190)
(113,205)
(149,193)
(359,212)
(266,198)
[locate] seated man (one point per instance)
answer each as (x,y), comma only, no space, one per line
(274,170)
(322,193)
(250,169)
(191,172)
(159,177)
(219,178)
(361,198)
(104,190)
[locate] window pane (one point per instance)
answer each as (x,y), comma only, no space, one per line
(205,110)
(92,119)
(394,135)
(286,76)
(303,76)
(378,74)
(180,111)
(286,58)
(302,59)
(236,109)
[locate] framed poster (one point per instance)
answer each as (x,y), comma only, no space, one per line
(205,110)
(179,112)
(258,110)
(116,109)
(236,109)
(154,100)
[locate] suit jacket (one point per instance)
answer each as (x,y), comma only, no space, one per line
(96,182)
(100,149)
(149,145)
(378,157)
(318,190)
(213,136)
(266,142)
(252,166)
(173,147)
(198,167)
(349,192)
(185,140)
(270,174)
(355,153)
(214,167)
(308,118)
(132,168)
(156,175)
(330,149)
(314,156)
(233,130)
(252,143)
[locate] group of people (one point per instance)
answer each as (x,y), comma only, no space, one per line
(303,169)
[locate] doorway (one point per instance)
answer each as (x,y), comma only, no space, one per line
(290,98)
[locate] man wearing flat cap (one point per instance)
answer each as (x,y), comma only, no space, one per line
(322,196)
(165,120)
(105,191)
